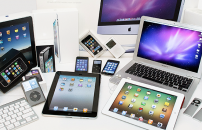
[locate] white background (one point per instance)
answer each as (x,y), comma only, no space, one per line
(88,19)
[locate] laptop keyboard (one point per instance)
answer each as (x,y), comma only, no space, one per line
(16,114)
(159,76)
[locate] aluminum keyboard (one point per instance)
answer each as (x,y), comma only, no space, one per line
(16,114)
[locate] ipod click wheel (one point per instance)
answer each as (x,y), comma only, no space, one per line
(35,96)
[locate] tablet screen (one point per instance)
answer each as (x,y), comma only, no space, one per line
(73,94)
(146,105)
(17,35)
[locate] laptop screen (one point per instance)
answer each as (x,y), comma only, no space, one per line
(171,45)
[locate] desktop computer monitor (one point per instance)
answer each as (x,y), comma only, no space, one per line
(123,16)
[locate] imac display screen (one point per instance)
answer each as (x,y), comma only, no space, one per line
(129,11)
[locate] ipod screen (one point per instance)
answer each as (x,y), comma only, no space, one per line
(30,85)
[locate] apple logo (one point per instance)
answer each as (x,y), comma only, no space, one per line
(129,29)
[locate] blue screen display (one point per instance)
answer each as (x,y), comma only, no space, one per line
(17,37)
(82,65)
(74,94)
(30,85)
(170,45)
(49,65)
(110,67)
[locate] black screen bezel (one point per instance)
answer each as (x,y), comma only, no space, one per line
(87,64)
(175,18)
(31,31)
(115,61)
(46,110)
(87,38)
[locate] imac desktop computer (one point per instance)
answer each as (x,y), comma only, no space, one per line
(123,16)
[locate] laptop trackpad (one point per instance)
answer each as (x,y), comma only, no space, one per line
(150,83)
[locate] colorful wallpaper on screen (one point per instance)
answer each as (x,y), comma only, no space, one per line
(171,45)
(118,9)
(141,100)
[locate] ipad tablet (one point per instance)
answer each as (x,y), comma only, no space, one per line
(18,34)
(144,105)
(73,95)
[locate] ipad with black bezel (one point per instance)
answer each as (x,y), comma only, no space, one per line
(144,105)
(73,94)
(18,34)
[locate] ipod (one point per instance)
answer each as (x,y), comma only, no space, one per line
(114,48)
(33,91)
(92,45)
(81,64)
(96,66)
(33,73)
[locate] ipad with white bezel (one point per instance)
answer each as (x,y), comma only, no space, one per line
(73,94)
(144,105)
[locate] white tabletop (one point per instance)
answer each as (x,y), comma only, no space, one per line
(184,122)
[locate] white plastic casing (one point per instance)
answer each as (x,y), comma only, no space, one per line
(117,50)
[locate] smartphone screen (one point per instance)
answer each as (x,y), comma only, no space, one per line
(14,70)
(110,67)
(82,64)
(92,44)
(49,65)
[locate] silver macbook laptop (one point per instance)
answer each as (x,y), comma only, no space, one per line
(168,55)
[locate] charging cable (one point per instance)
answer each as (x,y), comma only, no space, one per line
(112,87)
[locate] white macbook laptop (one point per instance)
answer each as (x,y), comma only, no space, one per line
(167,54)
